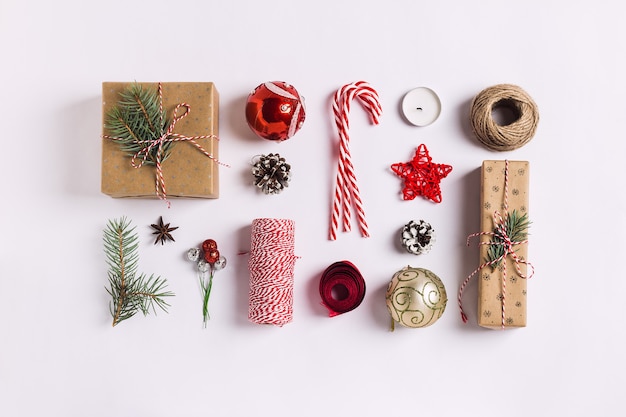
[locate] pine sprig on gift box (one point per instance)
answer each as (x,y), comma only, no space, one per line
(129,291)
(137,120)
(517,231)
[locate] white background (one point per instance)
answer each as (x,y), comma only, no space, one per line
(59,355)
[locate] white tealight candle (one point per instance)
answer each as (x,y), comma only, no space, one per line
(421,106)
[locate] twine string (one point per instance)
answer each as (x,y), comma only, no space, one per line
(346,189)
(271,265)
(500,231)
(504,137)
(141,156)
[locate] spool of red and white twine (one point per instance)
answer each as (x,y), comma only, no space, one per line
(346,189)
(271,264)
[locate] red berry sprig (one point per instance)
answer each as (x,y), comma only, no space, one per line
(210,261)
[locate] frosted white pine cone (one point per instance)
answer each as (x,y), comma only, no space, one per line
(271,173)
(418,237)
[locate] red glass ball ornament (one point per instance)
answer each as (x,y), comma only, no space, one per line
(208,244)
(275,111)
(212,256)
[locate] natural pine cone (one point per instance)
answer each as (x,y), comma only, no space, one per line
(418,237)
(271,173)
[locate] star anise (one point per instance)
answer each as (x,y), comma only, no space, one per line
(162,231)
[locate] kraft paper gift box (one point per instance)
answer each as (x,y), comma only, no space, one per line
(491,302)
(187,172)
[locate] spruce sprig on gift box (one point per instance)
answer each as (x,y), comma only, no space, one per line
(517,231)
(137,120)
(130,292)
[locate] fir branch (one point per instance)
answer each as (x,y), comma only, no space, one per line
(137,121)
(517,231)
(130,292)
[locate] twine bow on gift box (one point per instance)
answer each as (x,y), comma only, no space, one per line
(153,148)
(509,231)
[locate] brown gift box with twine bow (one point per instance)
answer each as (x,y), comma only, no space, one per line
(187,172)
(490,300)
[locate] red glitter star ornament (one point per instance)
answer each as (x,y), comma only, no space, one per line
(421,176)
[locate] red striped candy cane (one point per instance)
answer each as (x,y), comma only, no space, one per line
(346,189)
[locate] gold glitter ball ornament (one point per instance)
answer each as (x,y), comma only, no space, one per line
(416,297)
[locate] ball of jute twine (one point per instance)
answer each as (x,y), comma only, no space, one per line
(504,137)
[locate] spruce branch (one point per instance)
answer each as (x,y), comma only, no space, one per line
(137,120)
(130,292)
(516,226)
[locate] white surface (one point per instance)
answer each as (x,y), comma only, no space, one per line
(59,356)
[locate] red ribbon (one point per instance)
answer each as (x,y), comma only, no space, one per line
(342,275)
(167,136)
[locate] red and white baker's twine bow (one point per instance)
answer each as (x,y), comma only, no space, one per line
(169,136)
(500,227)
(271,264)
(346,189)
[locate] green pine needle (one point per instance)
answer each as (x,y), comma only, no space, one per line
(130,293)
(137,120)
(517,230)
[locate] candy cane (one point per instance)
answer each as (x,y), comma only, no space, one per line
(346,189)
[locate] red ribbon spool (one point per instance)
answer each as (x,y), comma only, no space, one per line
(342,288)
